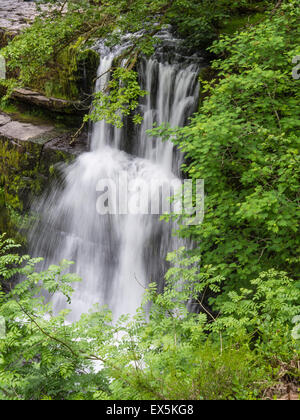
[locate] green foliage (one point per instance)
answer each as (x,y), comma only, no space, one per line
(169,354)
(34,362)
(244,143)
(46,55)
(265,311)
(24,172)
(241,276)
(118,99)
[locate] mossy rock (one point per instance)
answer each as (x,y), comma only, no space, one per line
(206,74)
(71,76)
(26,170)
(87,67)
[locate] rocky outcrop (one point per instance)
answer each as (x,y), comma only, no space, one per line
(51,103)
(46,136)
(19,131)
(67,85)
(15,15)
(31,147)
(29,154)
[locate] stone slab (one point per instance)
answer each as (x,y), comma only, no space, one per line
(48,136)
(20,131)
(4,119)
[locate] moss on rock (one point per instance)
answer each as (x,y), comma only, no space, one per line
(71,76)
(5,37)
(26,169)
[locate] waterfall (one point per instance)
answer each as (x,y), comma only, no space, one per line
(117,255)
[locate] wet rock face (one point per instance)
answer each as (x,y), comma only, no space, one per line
(29,150)
(15,15)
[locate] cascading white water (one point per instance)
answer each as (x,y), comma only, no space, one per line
(118,255)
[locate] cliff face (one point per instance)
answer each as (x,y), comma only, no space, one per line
(18,125)
(15,15)
(28,157)
(38,124)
